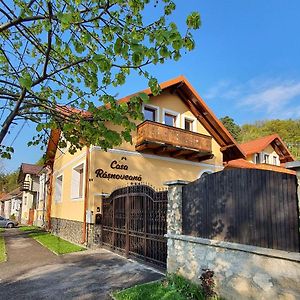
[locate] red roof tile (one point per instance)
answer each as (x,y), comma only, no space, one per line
(244,164)
(258,145)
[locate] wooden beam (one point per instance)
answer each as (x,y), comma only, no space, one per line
(205,157)
(224,148)
(181,152)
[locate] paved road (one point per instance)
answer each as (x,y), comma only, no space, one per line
(33,272)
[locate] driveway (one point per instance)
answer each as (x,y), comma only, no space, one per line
(33,272)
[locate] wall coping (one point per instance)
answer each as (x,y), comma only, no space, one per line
(176,182)
(292,256)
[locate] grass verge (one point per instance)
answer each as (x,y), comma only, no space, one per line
(171,288)
(2,229)
(29,228)
(54,243)
(2,250)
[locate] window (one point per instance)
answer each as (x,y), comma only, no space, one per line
(257,158)
(77,181)
(58,188)
(151,113)
(188,124)
(266,158)
(170,119)
(275,160)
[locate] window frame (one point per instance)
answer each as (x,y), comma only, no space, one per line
(173,113)
(157,112)
(192,119)
(77,197)
(264,158)
(56,200)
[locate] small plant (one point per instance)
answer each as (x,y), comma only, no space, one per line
(184,286)
(12,217)
(208,283)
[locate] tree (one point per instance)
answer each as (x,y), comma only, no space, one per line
(288,130)
(9,181)
(58,58)
(232,127)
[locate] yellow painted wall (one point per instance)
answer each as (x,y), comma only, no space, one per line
(268,150)
(153,169)
(68,208)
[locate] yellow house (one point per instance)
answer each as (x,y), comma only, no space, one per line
(180,138)
(268,153)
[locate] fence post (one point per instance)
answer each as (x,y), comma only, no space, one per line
(174,213)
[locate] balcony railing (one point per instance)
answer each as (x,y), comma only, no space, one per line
(162,139)
(26,186)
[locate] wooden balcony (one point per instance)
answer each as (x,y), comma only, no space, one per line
(25,186)
(162,139)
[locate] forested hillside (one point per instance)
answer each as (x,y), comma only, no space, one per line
(288,130)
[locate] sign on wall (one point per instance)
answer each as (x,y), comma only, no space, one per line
(118,166)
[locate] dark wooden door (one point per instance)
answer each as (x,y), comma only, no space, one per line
(30,216)
(134,223)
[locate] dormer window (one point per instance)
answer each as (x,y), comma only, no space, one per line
(274,160)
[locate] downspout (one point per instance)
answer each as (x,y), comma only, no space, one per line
(86,193)
(49,198)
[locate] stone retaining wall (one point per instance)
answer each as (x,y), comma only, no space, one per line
(67,229)
(241,271)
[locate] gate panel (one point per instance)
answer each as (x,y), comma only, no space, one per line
(134,223)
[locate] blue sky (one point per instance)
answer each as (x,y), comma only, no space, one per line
(246,63)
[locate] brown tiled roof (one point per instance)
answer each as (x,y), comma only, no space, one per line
(30,169)
(4,196)
(258,145)
(244,164)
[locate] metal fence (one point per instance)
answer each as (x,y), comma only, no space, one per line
(247,206)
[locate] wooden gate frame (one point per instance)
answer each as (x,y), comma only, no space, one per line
(153,203)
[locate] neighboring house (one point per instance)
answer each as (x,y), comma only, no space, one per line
(16,204)
(40,212)
(29,185)
(267,153)
(3,197)
(180,138)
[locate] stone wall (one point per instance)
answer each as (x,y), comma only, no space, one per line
(241,271)
(67,229)
(93,236)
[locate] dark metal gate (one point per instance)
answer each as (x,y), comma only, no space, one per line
(135,222)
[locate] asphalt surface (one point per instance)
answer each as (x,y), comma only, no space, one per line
(33,272)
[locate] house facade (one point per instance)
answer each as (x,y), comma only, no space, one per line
(267,153)
(29,185)
(180,138)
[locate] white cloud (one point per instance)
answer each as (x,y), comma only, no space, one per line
(277,98)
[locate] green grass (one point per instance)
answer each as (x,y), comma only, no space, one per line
(2,229)
(2,250)
(29,228)
(54,243)
(174,287)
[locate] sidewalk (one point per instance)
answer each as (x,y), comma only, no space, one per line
(33,272)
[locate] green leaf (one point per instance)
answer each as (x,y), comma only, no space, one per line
(144,97)
(26,81)
(193,20)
